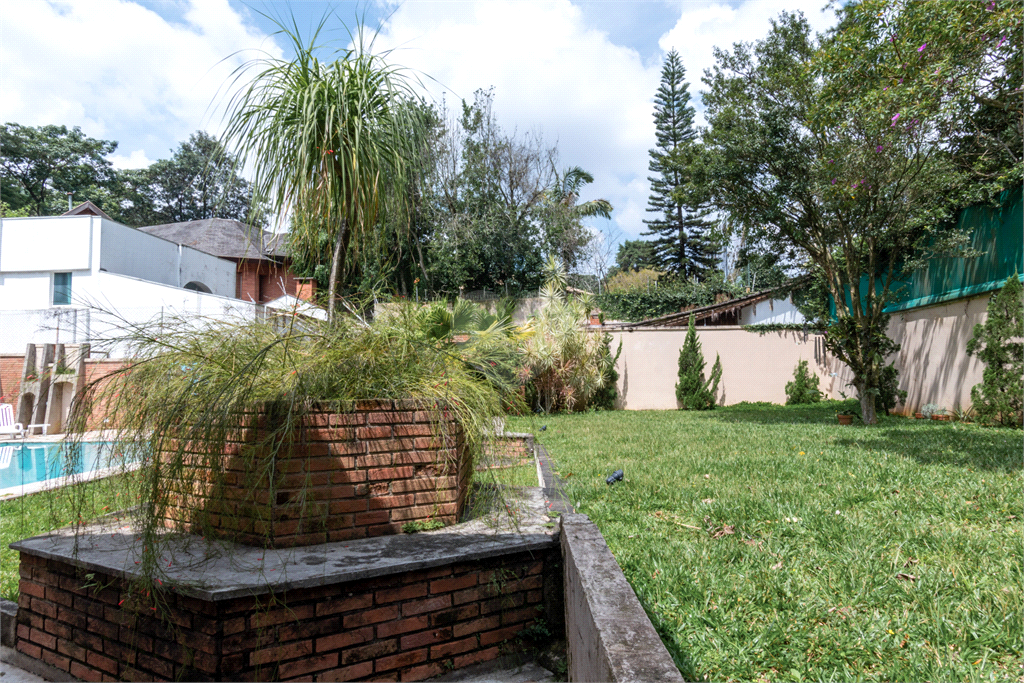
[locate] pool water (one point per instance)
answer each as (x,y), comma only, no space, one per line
(31,463)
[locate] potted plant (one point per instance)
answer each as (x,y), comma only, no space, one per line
(845,417)
(933,412)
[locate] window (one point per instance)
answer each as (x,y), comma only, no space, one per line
(61,289)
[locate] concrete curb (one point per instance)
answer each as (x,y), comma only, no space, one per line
(32,666)
(8,622)
(608,633)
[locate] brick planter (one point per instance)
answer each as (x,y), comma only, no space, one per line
(403,607)
(345,475)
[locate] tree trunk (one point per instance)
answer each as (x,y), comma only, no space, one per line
(867,407)
(337,260)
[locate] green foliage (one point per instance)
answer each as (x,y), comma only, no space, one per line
(39,165)
(605,397)
(681,246)
(764,328)
(798,592)
(804,387)
(635,255)
(664,298)
(628,280)
(999,398)
(693,391)
(7,212)
(889,393)
(421,525)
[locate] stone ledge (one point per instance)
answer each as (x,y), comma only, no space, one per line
(220,570)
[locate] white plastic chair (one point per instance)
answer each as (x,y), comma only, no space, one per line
(6,453)
(8,427)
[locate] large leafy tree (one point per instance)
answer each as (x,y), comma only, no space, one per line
(198,181)
(39,165)
(327,141)
(807,148)
(681,245)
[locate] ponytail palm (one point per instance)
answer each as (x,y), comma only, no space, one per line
(326,141)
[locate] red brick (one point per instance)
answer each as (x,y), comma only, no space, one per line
(280,616)
(72,617)
(503,603)
(476,657)
(388,502)
(407,592)
(348,673)
(422,673)
(393,628)
(103,628)
(347,604)
(346,534)
(518,615)
(307,665)
(84,673)
(423,484)
(429,605)
(30,649)
(426,638)
(153,665)
(54,659)
(363,433)
(31,588)
(535,597)
(374,517)
(453,584)
(372,616)
(453,648)
(72,650)
(492,637)
(344,506)
(391,417)
(371,651)
(40,637)
(344,639)
(347,419)
(57,628)
(444,496)
(332,462)
(419,512)
(384,529)
(387,473)
(377,459)
(47,609)
(535,568)
(476,626)
(103,663)
(302,648)
(348,477)
(400,660)
(450,616)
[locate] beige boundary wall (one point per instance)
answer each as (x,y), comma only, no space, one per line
(754,367)
(933,363)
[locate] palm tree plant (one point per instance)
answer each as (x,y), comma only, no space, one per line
(327,142)
(566,234)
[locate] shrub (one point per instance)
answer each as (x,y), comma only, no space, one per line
(889,392)
(999,398)
(693,391)
(804,387)
(628,280)
(672,297)
(606,396)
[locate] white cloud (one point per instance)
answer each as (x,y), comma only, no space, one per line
(137,159)
(704,26)
(119,70)
(551,72)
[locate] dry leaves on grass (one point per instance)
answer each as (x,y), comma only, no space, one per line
(719,531)
(672,517)
(906,577)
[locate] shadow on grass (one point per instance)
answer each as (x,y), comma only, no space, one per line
(981,448)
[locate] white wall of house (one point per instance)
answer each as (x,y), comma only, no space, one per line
(773,311)
(88,245)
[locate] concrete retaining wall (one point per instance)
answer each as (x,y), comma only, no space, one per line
(608,635)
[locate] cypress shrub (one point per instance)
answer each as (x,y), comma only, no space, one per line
(999,398)
(693,391)
(804,387)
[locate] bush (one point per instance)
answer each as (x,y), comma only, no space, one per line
(999,398)
(665,298)
(606,396)
(889,392)
(692,391)
(629,280)
(804,387)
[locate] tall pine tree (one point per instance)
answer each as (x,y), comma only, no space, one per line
(682,246)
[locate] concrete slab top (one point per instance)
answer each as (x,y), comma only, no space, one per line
(215,570)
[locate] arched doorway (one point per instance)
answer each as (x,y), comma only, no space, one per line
(196,286)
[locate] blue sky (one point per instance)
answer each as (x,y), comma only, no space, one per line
(582,74)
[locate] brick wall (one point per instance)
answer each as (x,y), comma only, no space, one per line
(11,367)
(10,379)
(406,626)
(345,475)
(261,281)
(507,450)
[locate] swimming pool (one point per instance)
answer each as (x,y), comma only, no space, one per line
(27,467)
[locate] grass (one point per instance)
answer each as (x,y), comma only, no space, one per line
(40,513)
(768,542)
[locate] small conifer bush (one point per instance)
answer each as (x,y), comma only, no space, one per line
(999,398)
(804,387)
(693,391)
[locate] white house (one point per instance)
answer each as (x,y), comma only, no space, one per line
(55,272)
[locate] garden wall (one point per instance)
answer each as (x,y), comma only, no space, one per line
(754,367)
(403,607)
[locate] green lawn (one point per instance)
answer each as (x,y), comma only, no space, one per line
(770,543)
(41,512)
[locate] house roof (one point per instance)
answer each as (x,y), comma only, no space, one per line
(223,237)
(682,318)
(87,208)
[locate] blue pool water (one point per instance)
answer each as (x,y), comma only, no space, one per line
(29,463)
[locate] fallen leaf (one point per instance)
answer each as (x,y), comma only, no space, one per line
(910,562)
(726,530)
(708,501)
(906,577)
(777,565)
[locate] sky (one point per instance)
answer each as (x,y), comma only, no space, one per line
(583,74)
